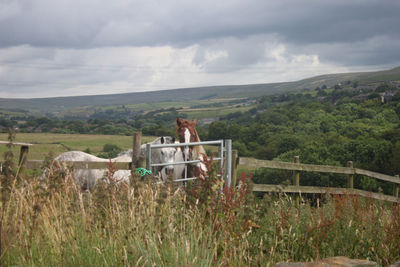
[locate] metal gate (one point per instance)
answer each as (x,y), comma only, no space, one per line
(224,156)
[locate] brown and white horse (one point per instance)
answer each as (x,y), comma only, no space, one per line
(187,133)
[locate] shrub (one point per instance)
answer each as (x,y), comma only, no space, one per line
(110,151)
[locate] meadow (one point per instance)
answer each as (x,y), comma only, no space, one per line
(146,107)
(216,112)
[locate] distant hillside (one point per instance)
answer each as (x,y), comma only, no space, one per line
(228,91)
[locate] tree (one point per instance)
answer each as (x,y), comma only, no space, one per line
(218,130)
(241,147)
(383,88)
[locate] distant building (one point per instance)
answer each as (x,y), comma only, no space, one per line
(387,96)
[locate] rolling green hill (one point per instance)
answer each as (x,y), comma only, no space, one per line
(186,94)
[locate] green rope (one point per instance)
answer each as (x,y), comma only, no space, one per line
(143,171)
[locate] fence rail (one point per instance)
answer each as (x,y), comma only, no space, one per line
(298,167)
(322,190)
(231,166)
(316,168)
(36,164)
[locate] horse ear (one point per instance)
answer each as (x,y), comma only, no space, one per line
(194,122)
(162,140)
(178,121)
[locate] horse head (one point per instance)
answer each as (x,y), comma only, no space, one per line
(167,155)
(187,133)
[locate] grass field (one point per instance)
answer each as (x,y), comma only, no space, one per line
(169,104)
(58,143)
(201,113)
(147,107)
(176,104)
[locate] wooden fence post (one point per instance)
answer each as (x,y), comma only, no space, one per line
(350,178)
(141,162)
(23,155)
(235,161)
(137,142)
(396,189)
(296,180)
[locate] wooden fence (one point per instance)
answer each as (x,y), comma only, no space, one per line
(137,160)
(297,167)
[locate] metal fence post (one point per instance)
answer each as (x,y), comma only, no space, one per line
(235,158)
(148,157)
(228,156)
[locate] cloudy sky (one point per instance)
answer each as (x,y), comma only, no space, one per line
(84,47)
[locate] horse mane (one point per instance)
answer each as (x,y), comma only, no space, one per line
(198,151)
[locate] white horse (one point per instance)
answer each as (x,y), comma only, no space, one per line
(178,170)
(87,178)
(159,155)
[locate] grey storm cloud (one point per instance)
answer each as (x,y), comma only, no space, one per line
(152,44)
(94,23)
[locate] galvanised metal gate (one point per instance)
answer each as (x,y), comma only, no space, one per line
(224,156)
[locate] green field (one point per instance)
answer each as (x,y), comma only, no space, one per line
(5,112)
(175,104)
(152,106)
(201,113)
(58,143)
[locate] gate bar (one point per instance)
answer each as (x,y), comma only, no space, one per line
(188,144)
(178,163)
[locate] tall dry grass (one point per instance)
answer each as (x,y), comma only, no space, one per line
(53,223)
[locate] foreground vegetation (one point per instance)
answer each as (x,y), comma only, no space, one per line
(53,223)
